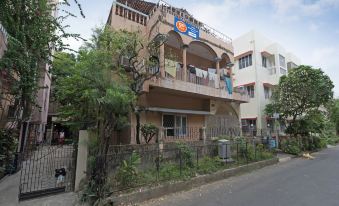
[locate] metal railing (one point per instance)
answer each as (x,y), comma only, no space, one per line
(136,166)
(183,14)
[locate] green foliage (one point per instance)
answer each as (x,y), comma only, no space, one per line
(209,165)
(34,33)
(186,153)
(334,114)
(8,143)
(127,174)
(300,94)
(148,131)
(290,147)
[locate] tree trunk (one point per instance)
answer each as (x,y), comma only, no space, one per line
(137,134)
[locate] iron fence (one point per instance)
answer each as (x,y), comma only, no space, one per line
(135,166)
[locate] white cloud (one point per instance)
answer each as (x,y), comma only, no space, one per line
(287,10)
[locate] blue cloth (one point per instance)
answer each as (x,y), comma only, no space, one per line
(228,83)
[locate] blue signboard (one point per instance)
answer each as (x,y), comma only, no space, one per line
(185,28)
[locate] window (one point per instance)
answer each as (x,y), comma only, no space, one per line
(267,92)
(250,91)
(175,125)
(264,61)
(249,126)
(282,61)
(283,71)
(291,65)
(245,61)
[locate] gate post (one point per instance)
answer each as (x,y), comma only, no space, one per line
(81,166)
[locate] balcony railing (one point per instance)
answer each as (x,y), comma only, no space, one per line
(183,14)
(192,78)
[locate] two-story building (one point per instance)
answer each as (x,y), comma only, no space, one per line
(193,96)
(259,64)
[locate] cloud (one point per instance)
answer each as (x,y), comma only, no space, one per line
(324,58)
(290,10)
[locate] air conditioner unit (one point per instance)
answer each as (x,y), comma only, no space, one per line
(124,62)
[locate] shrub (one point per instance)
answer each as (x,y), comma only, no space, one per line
(186,154)
(8,143)
(209,165)
(127,174)
(290,147)
(148,131)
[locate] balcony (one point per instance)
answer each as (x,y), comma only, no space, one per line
(198,86)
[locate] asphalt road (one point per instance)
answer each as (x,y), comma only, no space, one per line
(297,182)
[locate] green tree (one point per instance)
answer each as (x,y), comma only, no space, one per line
(34,34)
(299,96)
(334,114)
(144,64)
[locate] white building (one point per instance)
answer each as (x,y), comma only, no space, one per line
(259,63)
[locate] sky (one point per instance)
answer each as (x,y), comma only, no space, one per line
(307,28)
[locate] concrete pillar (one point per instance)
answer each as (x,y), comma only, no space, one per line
(162,60)
(203,134)
(184,61)
(81,167)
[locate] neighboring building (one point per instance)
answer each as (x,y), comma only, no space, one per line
(185,101)
(259,64)
(6,107)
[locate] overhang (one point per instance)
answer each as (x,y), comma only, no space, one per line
(243,55)
(180,111)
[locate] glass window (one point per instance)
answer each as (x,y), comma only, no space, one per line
(175,125)
(282,61)
(250,91)
(264,61)
(283,71)
(245,61)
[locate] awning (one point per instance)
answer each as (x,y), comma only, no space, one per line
(249,118)
(266,54)
(248,84)
(268,85)
(180,111)
(243,54)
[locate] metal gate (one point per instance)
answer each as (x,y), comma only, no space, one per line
(39,163)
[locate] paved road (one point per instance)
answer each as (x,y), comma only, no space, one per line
(298,182)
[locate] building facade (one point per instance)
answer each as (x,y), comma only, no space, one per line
(5,108)
(259,64)
(193,97)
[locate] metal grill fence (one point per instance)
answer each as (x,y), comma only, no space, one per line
(134,166)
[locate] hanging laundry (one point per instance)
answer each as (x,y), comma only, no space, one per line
(212,76)
(171,67)
(212,70)
(191,69)
(201,73)
(229,85)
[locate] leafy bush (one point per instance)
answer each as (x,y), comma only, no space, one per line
(127,174)
(148,131)
(186,154)
(209,165)
(8,143)
(290,147)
